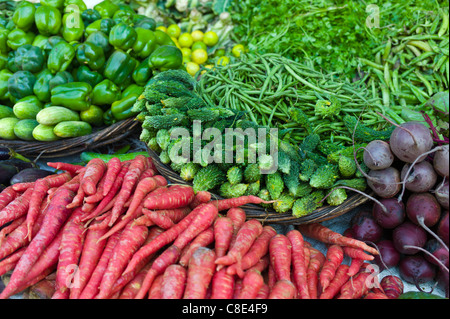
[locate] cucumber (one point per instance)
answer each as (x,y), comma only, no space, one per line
(87,156)
(419,295)
(26,110)
(24,129)
(53,115)
(6,111)
(44,133)
(7,128)
(69,129)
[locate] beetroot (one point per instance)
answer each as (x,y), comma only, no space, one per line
(365,228)
(438,251)
(385,182)
(422,177)
(441,160)
(416,270)
(423,208)
(389,256)
(394,217)
(377,155)
(408,234)
(441,194)
(442,228)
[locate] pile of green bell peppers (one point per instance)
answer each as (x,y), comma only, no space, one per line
(95,61)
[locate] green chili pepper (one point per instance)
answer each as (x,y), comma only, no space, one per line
(105,93)
(60,57)
(73,95)
(48,20)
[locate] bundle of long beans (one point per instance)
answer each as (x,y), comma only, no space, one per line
(413,65)
(267,86)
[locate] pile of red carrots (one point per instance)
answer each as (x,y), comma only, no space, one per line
(119,230)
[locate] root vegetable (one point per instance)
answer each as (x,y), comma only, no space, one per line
(365,228)
(204,239)
(200,272)
(442,196)
(334,257)
(392,286)
(415,269)
(385,182)
(298,262)
(222,285)
(408,234)
(251,284)
(174,280)
(395,215)
(421,179)
(283,289)
(316,262)
(223,232)
(389,256)
(377,155)
(336,283)
(441,160)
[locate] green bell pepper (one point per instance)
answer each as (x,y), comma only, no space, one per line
(51,42)
(119,67)
(141,21)
(3,61)
(122,36)
(58,4)
(4,48)
(5,74)
(48,20)
(60,57)
(93,115)
(42,86)
(85,74)
(105,25)
(23,16)
(166,57)
(100,39)
(108,118)
(90,15)
(163,38)
(142,73)
(133,89)
(70,5)
(106,8)
(26,58)
(105,93)
(91,55)
(59,78)
(122,109)
(74,95)
(73,26)
(145,43)
(40,41)
(21,83)
(124,14)
(18,37)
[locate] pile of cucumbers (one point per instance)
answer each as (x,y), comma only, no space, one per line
(66,69)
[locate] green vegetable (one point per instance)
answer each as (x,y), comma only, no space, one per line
(21,83)
(17,38)
(24,129)
(419,295)
(44,133)
(53,115)
(105,93)
(48,20)
(68,129)
(284,203)
(229,190)
(90,15)
(119,67)
(106,8)
(122,36)
(163,138)
(26,58)
(100,39)
(72,26)
(6,111)
(337,197)
(91,55)
(60,57)
(7,125)
(356,183)
(142,73)
(166,57)
(23,16)
(85,74)
(366,134)
(87,156)
(74,95)
(253,188)
(145,43)
(122,109)
(42,86)
(188,171)
(59,78)
(307,204)
(4,78)
(208,178)
(252,173)
(163,121)
(307,169)
(275,184)
(26,109)
(347,166)
(324,176)
(235,175)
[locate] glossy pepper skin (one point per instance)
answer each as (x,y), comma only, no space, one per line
(124,14)
(166,57)
(163,38)
(141,21)
(90,15)
(21,83)
(93,115)
(60,57)
(100,39)
(121,109)
(59,78)
(119,67)
(145,43)
(4,48)
(105,25)
(74,95)
(122,36)
(41,88)
(91,55)
(59,4)
(5,74)
(85,74)
(70,5)
(26,58)
(108,118)
(106,8)
(18,37)
(48,20)
(142,73)
(73,26)
(105,93)
(23,16)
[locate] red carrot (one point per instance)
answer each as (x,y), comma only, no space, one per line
(321,233)
(174,280)
(92,287)
(98,196)
(95,169)
(251,284)
(5,231)
(334,257)
(316,262)
(70,250)
(357,253)
(298,263)
(283,289)
(355,266)
(61,166)
(90,255)
(356,287)
(80,194)
(200,272)
(257,251)
(7,196)
(37,196)
(176,198)
(203,239)
(223,232)
(263,292)
(225,204)
(238,217)
(54,219)
(149,172)
(17,208)
(155,289)
(144,187)
(10,262)
(262,264)
(166,217)
(280,256)
(375,295)
(336,283)
(132,287)
(222,285)
(247,234)
(54,180)
(237,287)
(113,168)
(137,167)
(202,197)
(130,241)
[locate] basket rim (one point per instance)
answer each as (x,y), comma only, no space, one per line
(71,146)
(269,215)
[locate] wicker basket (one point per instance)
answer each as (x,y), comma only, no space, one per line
(268,215)
(72,146)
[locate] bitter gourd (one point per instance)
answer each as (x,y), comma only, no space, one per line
(208,178)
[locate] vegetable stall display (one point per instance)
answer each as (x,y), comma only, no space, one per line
(67,69)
